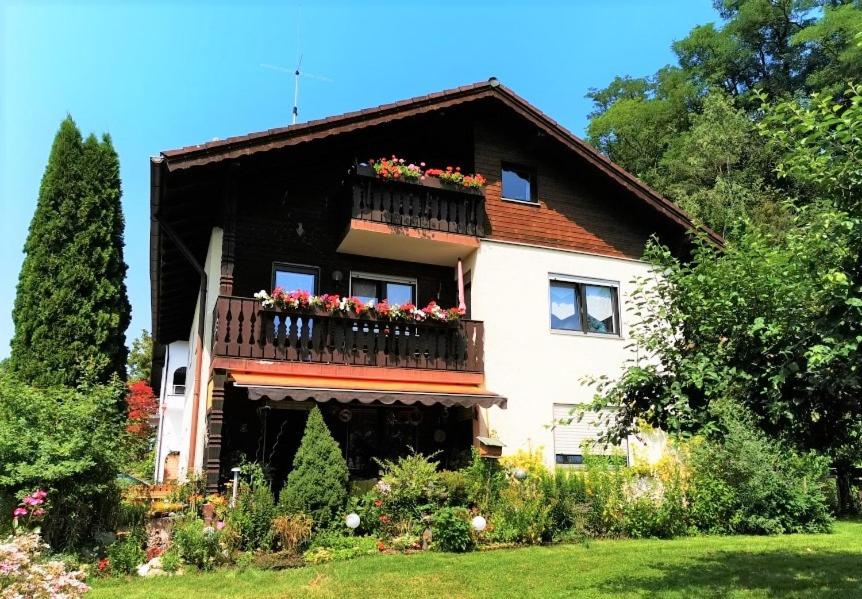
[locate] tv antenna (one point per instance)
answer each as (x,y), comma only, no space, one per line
(297,74)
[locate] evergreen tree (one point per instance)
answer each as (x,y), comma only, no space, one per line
(71,309)
(317,485)
(140,364)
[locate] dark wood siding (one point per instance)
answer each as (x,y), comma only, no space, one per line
(576,209)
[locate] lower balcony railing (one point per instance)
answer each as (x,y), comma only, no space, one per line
(244,329)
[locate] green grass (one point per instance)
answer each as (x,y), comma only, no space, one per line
(700,567)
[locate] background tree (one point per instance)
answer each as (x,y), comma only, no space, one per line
(141,357)
(785,48)
(71,308)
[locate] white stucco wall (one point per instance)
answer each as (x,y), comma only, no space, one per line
(169,438)
(212,266)
(525,361)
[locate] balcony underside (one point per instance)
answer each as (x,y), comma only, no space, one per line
(383,240)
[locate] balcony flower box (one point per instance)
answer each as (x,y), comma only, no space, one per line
(365,170)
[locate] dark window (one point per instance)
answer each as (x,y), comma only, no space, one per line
(292,277)
(179,381)
(584,307)
(519,183)
(569,459)
(371,288)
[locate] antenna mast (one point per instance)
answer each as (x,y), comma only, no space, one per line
(296,91)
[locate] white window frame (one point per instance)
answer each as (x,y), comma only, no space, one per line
(358,274)
(624,447)
(618,319)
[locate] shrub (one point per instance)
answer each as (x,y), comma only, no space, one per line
(171,560)
(334,547)
(456,487)
(68,443)
(317,485)
(291,532)
(522,514)
(196,542)
(24,572)
(604,488)
(532,461)
(744,482)
(566,494)
(249,523)
(411,486)
(451,529)
(126,554)
(485,481)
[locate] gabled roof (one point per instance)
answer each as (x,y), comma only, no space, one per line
(272,139)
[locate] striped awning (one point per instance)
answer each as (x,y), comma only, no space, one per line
(294,388)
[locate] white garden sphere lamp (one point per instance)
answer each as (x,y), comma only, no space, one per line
(520,473)
(478,523)
(352,520)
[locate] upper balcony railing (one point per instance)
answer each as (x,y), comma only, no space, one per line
(244,329)
(429,204)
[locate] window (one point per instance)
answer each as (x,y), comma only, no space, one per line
(519,184)
(179,381)
(293,277)
(374,288)
(584,306)
(576,434)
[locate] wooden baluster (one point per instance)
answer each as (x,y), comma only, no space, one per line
(480,216)
(380,343)
(338,340)
(442,354)
(470,217)
(253,331)
(433,210)
(267,338)
(316,339)
(356,211)
(292,345)
(409,346)
(304,333)
(350,342)
(281,337)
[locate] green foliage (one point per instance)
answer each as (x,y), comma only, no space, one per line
(126,554)
(456,487)
(411,487)
(819,143)
(317,485)
(171,560)
(566,493)
(197,543)
(291,532)
(249,523)
(772,321)
(66,442)
(140,361)
(71,309)
(522,514)
(745,483)
(486,480)
(330,546)
(451,530)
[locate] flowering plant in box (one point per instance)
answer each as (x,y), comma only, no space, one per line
(335,304)
(395,168)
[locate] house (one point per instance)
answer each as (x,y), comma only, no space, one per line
(541,257)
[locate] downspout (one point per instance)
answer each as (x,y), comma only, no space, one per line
(156,173)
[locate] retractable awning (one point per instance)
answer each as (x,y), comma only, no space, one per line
(297,388)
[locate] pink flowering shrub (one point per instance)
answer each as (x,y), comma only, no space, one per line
(30,511)
(24,572)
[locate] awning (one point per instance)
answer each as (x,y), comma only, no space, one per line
(295,388)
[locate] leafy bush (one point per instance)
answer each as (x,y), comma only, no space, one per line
(410,489)
(291,532)
(485,481)
(744,482)
(331,546)
(171,560)
(249,523)
(522,514)
(67,442)
(317,485)
(456,487)
(126,554)
(451,530)
(196,542)
(566,494)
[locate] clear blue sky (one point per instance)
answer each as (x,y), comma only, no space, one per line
(160,76)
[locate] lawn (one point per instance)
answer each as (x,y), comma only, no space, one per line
(700,567)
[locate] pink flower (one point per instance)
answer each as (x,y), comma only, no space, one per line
(40,494)
(38,512)
(220,525)
(19,511)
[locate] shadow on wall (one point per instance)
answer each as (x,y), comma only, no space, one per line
(768,574)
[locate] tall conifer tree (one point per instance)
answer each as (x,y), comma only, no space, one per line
(71,309)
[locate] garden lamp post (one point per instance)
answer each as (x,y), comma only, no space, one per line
(235,471)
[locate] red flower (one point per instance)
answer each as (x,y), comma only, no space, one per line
(384,518)
(378,502)
(103,564)
(381,546)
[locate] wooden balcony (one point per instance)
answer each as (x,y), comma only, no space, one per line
(243,329)
(426,221)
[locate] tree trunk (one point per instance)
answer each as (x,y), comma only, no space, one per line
(846,505)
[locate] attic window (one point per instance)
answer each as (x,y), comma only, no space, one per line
(519,184)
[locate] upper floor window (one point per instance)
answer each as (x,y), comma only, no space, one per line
(584,306)
(294,277)
(372,288)
(179,381)
(519,183)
